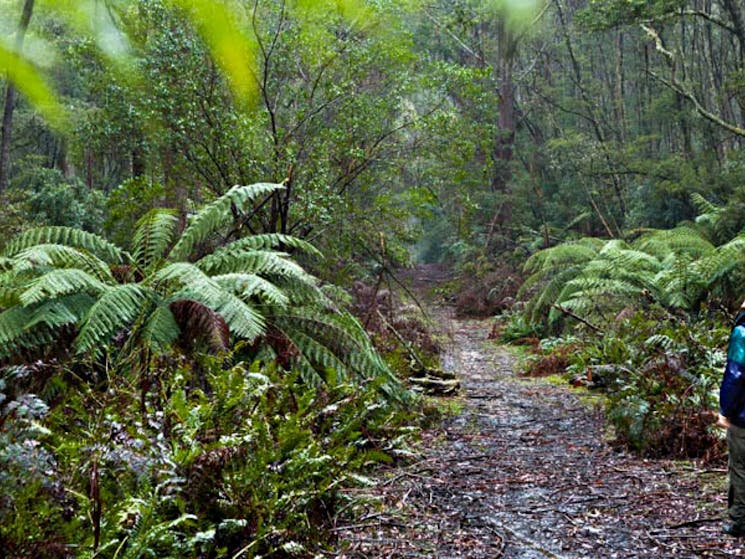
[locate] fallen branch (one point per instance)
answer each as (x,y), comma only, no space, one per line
(577,317)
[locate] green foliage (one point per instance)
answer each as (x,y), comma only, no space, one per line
(252,463)
(677,268)
(661,374)
(134,306)
(128,203)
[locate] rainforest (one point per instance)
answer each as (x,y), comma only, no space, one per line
(368,278)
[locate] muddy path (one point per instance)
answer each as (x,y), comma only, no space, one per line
(523,471)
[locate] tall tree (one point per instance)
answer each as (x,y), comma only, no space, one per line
(10,99)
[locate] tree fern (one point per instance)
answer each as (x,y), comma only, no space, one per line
(167,294)
(216,215)
(153,236)
(66,236)
(116,309)
(57,283)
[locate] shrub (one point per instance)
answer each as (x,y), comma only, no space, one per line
(661,373)
(254,461)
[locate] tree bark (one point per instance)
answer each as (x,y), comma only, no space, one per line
(10,100)
(504,142)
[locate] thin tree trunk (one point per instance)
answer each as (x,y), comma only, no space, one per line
(10,100)
(503,149)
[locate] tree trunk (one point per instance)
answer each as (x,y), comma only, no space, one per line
(10,100)
(504,142)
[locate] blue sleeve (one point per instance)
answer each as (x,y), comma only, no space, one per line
(732,391)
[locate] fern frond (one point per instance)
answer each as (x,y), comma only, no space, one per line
(153,235)
(260,262)
(551,290)
(15,337)
(272,241)
(336,341)
(54,314)
(564,254)
(702,205)
(726,258)
(199,322)
(194,284)
(24,328)
(60,282)
(247,286)
(584,295)
(68,236)
(114,311)
(161,328)
(621,256)
(681,240)
(62,256)
(217,215)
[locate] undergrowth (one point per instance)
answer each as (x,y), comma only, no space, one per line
(251,463)
(660,373)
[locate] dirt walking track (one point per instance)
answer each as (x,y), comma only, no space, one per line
(522,471)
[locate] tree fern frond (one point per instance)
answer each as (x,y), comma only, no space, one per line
(60,282)
(161,328)
(681,240)
(702,205)
(341,324)
(319,335)
(247,286)
(722,261)
(625,258)
(244,320)
(194,284)
(115,310)
(217,215)
(551,290)
(199,322)
(13,324)
(582,250)
(271,241)
(24,328)
(15,336)
(301,291)
(592,287)
(68,236)
(260,262)
(153,235)
(66,310)
(62,256)
(318,356)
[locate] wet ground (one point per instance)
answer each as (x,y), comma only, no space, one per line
(524,471)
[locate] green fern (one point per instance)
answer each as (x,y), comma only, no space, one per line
(153,236)
(113,312)
(216,215)
(56,280)
(57,283)
(66,236)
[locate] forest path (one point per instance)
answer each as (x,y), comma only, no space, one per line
(522,471)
